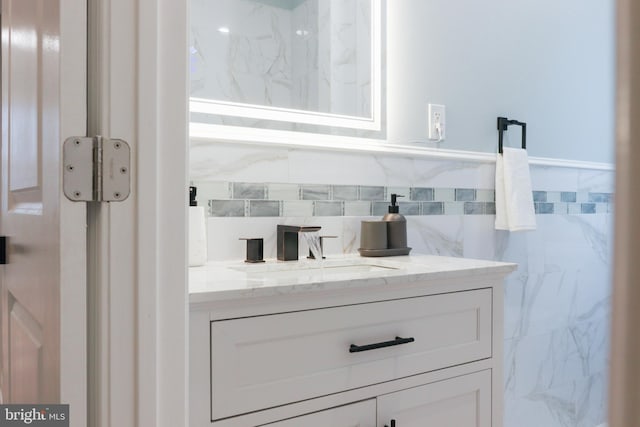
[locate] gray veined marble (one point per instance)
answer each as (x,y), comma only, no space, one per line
(596,233)
(436,235)
(596,180)
(228,163)
(562,274)
(304,55)
(538,363)
(557,308)
(579,403)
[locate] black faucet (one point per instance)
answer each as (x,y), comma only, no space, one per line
(287,241)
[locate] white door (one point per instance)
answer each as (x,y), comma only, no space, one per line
(458,402)
(139,80)
(43,284)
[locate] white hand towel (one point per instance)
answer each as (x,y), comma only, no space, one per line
(514,198)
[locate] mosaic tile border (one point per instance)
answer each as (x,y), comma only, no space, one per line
(242,199)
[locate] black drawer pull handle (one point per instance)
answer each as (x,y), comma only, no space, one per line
(357,348)
(393,424)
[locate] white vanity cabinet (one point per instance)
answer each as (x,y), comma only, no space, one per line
(360,414)
(399,352)
(463,401)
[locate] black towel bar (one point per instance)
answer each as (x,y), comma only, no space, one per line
(503,124)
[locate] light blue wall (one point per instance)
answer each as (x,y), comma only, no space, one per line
(547,62)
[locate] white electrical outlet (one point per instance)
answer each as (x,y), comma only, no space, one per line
(437,128)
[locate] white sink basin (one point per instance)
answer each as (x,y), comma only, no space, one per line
(313,270)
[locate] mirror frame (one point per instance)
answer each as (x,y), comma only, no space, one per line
(372,123)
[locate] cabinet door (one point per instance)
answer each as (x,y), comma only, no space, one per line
(463,401)
(361,414)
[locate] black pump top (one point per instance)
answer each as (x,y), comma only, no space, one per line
(192,196)
(394,208)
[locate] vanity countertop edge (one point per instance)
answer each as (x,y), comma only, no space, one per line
(235,280)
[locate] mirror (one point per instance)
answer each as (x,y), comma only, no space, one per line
(287,64)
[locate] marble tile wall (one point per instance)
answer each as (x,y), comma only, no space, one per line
(256,68)
(344,60)
(305,61)
(313,55)
(557,304)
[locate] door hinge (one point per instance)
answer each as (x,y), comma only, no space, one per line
(96,169)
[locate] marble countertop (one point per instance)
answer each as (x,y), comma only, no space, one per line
(216,281)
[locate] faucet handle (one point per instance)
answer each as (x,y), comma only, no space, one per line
(311,256)
(308,228)
(255,249)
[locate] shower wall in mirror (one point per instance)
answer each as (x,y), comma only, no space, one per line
(286,64)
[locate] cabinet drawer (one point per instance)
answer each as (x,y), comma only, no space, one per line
(266,361)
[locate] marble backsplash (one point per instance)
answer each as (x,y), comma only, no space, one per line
(239,199)
(557,304)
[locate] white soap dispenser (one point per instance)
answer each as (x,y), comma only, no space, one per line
(197,231)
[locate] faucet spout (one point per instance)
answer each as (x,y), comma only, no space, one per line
(287,240)
(298,228)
